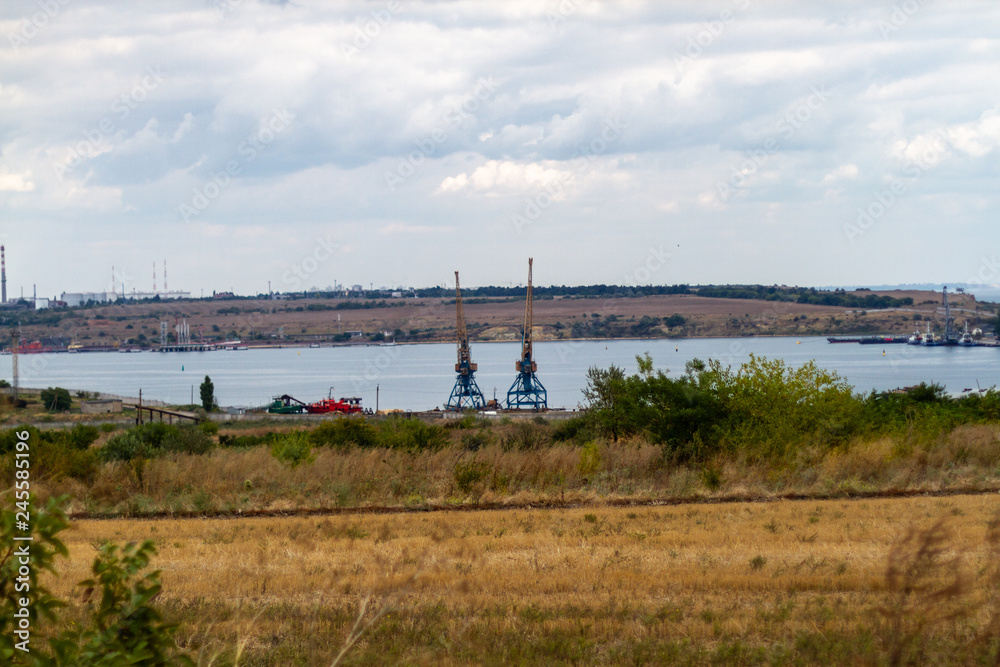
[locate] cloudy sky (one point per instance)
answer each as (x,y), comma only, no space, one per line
(310,142)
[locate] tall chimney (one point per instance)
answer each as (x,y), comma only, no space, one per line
(3,273)
(154,277)
(165,289)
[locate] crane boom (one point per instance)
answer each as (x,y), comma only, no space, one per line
(527,391)
(527,363)
(466,393)
(464,364)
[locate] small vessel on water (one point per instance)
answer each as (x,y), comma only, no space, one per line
(929,338)
(915,338)
(966,338)
(882,340)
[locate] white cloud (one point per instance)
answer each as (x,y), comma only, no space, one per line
(977,138)
(395,228)
(847,172)
(184,127)
(916,97)
(497,177)
(16,182)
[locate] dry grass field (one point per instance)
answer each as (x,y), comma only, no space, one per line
(806,582)
(517,464)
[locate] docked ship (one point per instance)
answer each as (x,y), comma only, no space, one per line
(966,339)
(930,339)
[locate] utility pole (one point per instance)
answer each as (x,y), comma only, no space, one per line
(376,399)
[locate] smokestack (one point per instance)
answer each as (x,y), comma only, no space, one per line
(154,277)
(114,295)
(165,289)
(3,273)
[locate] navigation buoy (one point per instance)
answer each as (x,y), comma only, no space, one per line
(182,367)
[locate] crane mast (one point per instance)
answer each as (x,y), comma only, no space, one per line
(527,363)
(465,394)
(527,392)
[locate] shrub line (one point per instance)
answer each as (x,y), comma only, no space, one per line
(543,504)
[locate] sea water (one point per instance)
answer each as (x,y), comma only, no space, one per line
(420,377)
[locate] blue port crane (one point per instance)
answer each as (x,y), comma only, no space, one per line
(465,394)
(527,392)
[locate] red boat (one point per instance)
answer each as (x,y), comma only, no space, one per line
(347,406)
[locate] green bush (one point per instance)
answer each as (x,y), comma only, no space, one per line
(293,449)
(54,454)
(759,410)
(127,446)
(154,439)
(411,434)
(343,432)
(470,474)
(121,627)
(187,440)
(575,429)
(246,441)
(82,436)
(208,427)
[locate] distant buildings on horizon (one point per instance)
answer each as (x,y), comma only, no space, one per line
(71,299)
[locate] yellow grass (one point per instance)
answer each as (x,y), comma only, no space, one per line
(741,583)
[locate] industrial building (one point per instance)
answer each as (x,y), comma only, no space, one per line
(81,298)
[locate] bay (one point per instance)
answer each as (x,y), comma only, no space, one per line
(420,377)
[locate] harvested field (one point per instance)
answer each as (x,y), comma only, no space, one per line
(786,582)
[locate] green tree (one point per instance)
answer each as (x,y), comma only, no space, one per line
(207,393)
(56,399)
(608,401)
